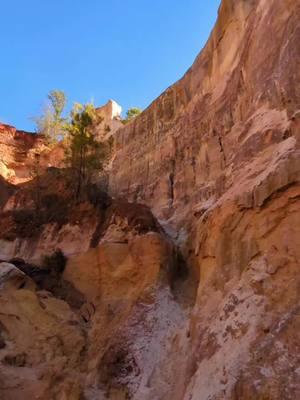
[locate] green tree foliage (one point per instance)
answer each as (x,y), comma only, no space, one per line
(131,114)
(57,100)
(51,122)
(44,123)
(85,155)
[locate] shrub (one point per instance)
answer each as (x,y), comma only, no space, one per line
(55,263)
(51,123)
(131,114)
(98,197)
(27,222)
(54,209)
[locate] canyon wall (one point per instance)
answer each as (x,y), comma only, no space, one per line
(132,316)
(214,132)
(18,150)
(217,159)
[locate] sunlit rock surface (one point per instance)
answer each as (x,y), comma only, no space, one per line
(204,304)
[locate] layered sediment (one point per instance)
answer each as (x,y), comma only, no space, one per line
(188,288)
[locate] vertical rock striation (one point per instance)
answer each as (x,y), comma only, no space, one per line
(217,158)
(232,113)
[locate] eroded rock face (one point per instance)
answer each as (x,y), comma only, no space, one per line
(11,276)
(217,158)
(42,344)
(227,126)
(244,325)
(126,284)
(18,150)
(57,346)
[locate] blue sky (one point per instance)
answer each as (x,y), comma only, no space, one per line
(129,51)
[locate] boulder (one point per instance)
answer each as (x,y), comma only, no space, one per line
(13,277)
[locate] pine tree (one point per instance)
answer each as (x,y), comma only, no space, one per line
(85,155)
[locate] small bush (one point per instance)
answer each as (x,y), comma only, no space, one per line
(131,114)
(55,263)
(27,223)
(98,197)
(54,209)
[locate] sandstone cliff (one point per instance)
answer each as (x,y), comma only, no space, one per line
(17,154)
(133,316)
(217,159)
(214,132)
(68,333)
